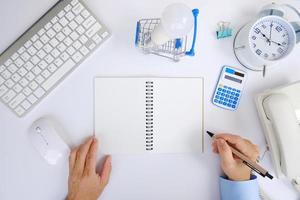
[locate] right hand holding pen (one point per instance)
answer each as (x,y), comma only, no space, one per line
(232,166)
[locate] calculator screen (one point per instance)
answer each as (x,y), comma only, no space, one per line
(233,79)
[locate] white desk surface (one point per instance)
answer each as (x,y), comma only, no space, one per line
(24,175)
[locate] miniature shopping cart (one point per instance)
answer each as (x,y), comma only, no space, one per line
(173,49)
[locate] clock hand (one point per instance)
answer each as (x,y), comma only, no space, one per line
(276,43)
(270,38)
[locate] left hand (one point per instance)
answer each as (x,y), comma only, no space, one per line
(84,182)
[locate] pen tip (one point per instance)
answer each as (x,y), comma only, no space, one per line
(210,133)
(269,175)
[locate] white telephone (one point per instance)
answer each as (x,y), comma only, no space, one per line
(279,111)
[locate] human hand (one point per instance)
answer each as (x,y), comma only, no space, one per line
(84,182)
(232,166)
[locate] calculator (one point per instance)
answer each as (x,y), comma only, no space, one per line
(228,91)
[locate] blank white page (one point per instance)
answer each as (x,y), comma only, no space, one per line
(178,112)
(120,115)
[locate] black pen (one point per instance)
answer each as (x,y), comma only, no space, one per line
(253,165)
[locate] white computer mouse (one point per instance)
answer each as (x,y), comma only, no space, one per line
(46,137)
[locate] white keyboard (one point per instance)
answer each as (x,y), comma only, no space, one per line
(58,42)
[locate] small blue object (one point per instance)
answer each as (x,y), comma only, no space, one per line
(191,52)
(224,30)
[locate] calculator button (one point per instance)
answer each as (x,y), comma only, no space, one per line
(238,91)
(219,89)
(222,94)
(229,105)
(216,100)
(231,97)
(223,90)
(233,106)
(222,98)
(234,102)
(230,101)
(229,88)
(232,93)
(233,89)
(228,92)
(217,97)
(226,100)
(224,103)
(227,96)
(235,98)
(225,87)
(218,93)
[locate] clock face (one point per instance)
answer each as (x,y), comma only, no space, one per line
(269,39)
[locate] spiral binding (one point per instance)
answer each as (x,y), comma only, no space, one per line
(149,115)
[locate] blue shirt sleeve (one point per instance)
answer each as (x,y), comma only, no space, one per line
(239,190)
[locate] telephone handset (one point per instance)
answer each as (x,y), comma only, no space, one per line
(286,130)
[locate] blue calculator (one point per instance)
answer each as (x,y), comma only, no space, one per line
(229,88)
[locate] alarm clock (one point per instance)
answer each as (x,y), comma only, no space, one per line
(267,39)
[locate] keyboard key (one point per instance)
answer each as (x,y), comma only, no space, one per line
(61,14)
(12,68)
(33,85)
(84,50)
(51,33)
(61,47)
(2,68)
(97,38)
(49,58)
(27,91)
(47,48)
(80,30)
(3,90)
(83,39)
(77,9)
(58,62)
(46,73)
(26,105)
(68,8)
(16,77)
(41,32)
(55,53)
(104,35)
(1,80)
(74,2)
(93,45)
(20,111)
(28,66)
(71,51)
(25,56)
(38,44)
(32,50)
(52,67)
(48,26)
(8,96)
(63,21)
(36,70)
(54,20)
(19,62)
(41,54)
(60,36)
(17,100)
(54,42)
(68,41)
(32,99)
(9,83)
(39,79)
(79,19)
(57,27)
(77,57)
(24,82)
(64,56)
(45,39)
(22,71)
(89,22)
(85,13)
(70,16)
(93,30)
(66,67)
(21,50)
(28,44)
(74,35)
(73,25)
(8,62)
(39,92)
(34,38)
(67,31)
(6,74)
(30,76)
(42,64)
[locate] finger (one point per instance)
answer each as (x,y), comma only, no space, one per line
(81,156)
(72,159)
(90,163)
(105,173)
(225,152)
(239,143)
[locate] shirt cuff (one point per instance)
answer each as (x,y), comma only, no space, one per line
(239,190)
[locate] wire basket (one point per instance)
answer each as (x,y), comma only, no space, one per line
(173,49)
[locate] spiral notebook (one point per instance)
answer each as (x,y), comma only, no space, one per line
(139,115)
